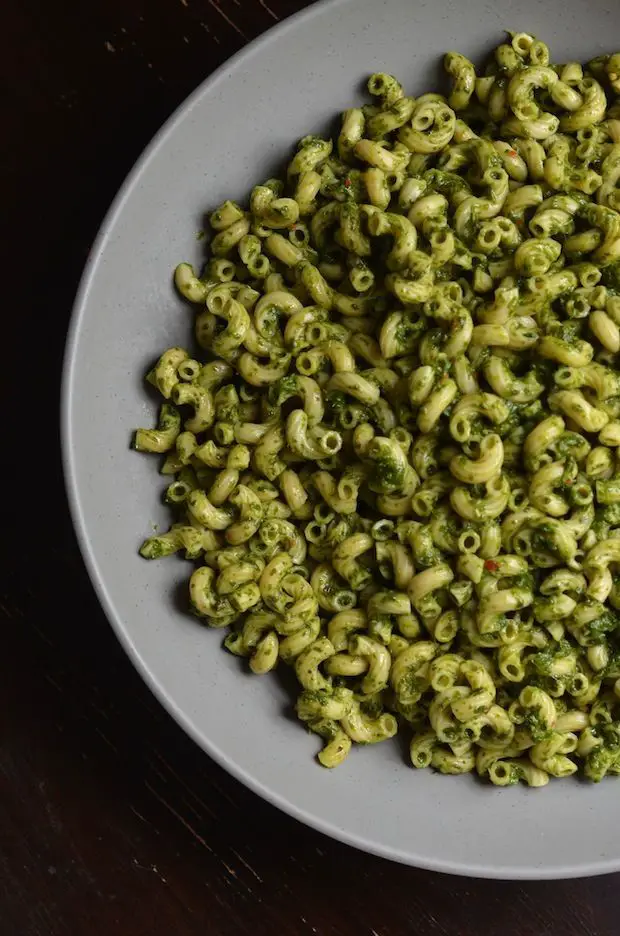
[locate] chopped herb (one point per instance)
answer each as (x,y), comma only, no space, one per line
(336,400)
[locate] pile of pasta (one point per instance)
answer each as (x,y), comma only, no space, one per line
(395,461)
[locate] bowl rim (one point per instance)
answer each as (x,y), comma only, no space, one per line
(70,475)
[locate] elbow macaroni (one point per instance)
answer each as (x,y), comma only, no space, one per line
(399,471)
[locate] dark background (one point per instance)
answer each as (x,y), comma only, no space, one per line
(111,820)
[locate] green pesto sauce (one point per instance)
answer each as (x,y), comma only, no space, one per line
(543,537)
(544,660)
(568,442)
(286,387)
(154,550)
(408,331)
(446,183)
(336,400)
(388,474)
(607,623)
(320,696)
(525,581)
(611,276)
(539,729)
(428,558)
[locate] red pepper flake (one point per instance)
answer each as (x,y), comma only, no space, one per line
(520,222)
(347,182)
(491,565)
(569,481)
(512,153)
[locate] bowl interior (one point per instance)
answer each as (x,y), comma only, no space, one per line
(234,131)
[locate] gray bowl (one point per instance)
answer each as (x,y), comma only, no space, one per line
(234,130)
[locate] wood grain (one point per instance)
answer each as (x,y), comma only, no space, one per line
(111,820)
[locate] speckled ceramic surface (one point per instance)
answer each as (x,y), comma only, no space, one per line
(233,131)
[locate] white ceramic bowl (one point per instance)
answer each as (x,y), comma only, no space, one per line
(234,130)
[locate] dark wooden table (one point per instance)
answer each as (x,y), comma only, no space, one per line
(111,820)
